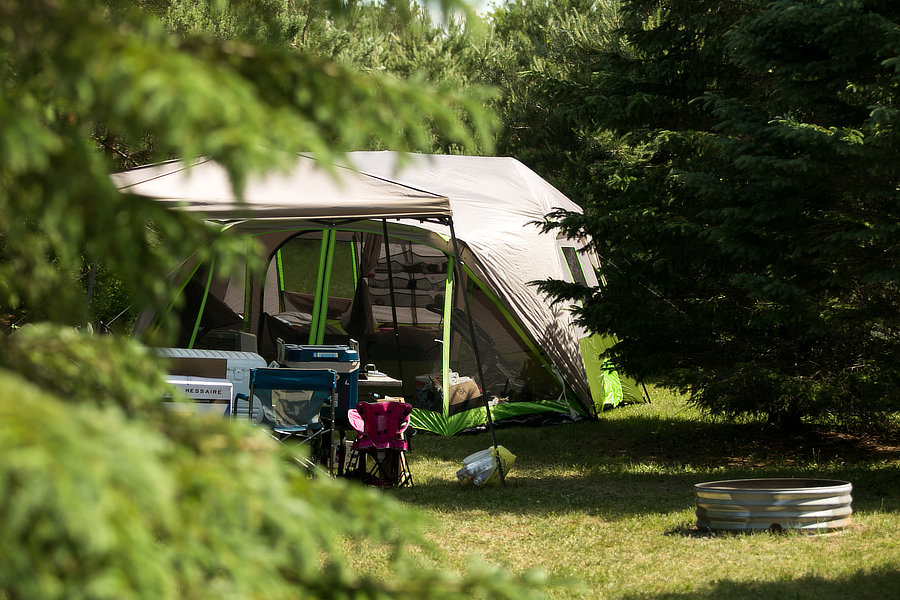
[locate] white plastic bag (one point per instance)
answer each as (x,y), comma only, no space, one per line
(480,468)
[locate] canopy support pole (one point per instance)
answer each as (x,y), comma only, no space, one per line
(390,273)
(484,396)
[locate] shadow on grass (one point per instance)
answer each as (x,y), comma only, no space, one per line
(876,584)
(638,465)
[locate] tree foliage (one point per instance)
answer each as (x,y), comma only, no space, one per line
(403,39)
(103,494)
(535,52)
(76,80)
(737,166)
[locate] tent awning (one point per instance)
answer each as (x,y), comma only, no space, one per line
(305,191)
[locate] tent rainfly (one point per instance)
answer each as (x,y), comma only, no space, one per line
(423,260)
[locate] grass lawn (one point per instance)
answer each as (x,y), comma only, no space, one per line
(606,508)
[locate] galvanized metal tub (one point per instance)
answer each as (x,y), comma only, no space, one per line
(813,505)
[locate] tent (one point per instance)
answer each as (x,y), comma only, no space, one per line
(423,260)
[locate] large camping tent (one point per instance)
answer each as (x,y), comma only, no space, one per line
(373,256)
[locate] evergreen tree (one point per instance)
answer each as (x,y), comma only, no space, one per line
(103,493)
(536,50)
(404,39)
(738,168)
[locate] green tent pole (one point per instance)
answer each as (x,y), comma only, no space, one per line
(445,336)
(354,264)
(279,264)
(317,300)
(202,305)
(324,289)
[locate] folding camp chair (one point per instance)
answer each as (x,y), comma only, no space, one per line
(380,447)
(296,405)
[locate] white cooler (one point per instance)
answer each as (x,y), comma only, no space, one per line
(209,396)
(237,366)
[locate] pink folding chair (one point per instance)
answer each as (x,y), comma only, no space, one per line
(380,447)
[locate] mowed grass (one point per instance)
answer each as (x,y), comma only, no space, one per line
(606,508)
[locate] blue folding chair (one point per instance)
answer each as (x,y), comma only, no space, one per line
(296,405)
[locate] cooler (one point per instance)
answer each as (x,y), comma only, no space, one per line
(342,359)
(209,395)
(230,365)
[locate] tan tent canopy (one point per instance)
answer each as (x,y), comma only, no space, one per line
(306,191)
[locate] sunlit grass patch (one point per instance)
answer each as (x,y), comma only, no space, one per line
(606,508)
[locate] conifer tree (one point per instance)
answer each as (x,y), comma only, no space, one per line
(737,162)
(103,493)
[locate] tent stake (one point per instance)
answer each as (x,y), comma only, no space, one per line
(484,396)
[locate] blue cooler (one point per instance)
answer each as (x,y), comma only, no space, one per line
(342,359)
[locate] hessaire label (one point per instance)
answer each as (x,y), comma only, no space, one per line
(206,391)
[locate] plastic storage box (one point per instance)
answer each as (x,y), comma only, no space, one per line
(342,359)
(231,365)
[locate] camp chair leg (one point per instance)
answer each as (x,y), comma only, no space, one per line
(404,475)
(383,468)
(343,456)
(311,464)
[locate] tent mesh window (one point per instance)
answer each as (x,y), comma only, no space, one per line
(418,276)
(204,315)
(512,372)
